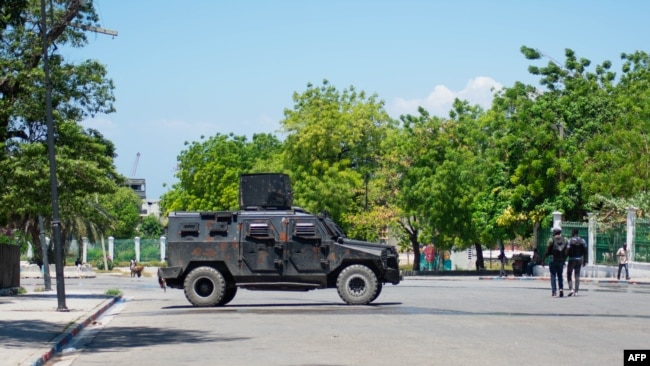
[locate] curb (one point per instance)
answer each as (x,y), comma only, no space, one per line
(65,338)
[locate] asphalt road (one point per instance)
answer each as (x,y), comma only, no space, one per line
(422,321)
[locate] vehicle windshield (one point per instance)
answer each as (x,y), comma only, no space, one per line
(333,230)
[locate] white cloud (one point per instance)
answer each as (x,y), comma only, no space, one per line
(479,91)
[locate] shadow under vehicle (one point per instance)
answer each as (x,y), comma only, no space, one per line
(270,245)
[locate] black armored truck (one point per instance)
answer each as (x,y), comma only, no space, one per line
(270,245)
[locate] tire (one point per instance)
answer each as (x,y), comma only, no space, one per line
(379,288)
(228,295)
(357,285)
(204,286)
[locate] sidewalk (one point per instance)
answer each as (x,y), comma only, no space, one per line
(32,331)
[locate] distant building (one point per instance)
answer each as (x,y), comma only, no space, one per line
(149,207)
(138,186)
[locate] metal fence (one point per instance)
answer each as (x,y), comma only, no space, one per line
(124,251)
(607,241)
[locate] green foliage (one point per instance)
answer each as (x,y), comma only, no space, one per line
(332,149)
(114,292)
(84,158)
(575,143)
(125,255)
(150,227)
(149,252)
(8,237)
(123,209)
(209,171)
(99,264)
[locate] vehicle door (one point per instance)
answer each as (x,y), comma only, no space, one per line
(307,247)
(261,250)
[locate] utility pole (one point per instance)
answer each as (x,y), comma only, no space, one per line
(56,223)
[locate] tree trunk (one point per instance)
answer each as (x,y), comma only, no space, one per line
(104,254)
(480,263)
(416,254)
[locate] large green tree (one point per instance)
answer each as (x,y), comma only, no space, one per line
(332,147)
(84,158)
(439,177)
(209,171)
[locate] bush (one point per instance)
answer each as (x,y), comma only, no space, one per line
(113,292)
(99,264)
(125,256)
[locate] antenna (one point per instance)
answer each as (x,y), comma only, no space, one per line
(135,165)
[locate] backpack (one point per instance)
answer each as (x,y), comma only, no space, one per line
(559,248)
(577,247)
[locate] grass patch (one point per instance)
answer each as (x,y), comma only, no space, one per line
(114,292)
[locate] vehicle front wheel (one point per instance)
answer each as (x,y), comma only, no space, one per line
(379,288)
(357,285)
(204,286)
(228,295)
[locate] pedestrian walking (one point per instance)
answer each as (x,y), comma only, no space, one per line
(556,248)
(623,257)
(577,254)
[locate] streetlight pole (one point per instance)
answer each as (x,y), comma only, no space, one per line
(56,223)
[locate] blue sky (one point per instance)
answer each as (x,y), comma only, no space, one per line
(186,69)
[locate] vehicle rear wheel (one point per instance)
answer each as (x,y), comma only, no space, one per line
(204,286)
(228,295)
(357,285)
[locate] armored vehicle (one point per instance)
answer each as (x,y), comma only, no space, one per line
(270,245)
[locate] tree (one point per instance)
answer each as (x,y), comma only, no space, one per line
(151,227)
(618,163)
(439,178)
(123,212)
(78,91)
(209,171)
(332,148)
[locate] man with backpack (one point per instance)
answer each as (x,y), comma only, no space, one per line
(577,253)
(556,248)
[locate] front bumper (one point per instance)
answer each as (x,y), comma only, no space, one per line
(167,273)
(392,275)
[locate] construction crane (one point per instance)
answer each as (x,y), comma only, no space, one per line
(135,165)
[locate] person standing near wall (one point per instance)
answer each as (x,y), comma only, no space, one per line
(556,248)
(535,261)
(623,257)
(502,261)
(577,253)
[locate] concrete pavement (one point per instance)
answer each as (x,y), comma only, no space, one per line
(32,331)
